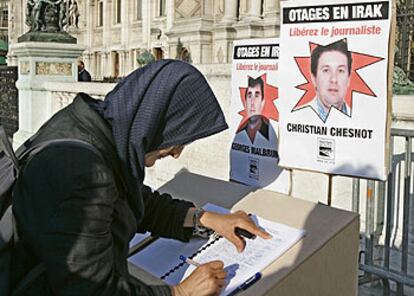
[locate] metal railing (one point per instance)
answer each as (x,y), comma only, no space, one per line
(383,218)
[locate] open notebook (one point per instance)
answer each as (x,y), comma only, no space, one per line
(162,257)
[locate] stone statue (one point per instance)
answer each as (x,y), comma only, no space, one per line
(63,21)
(48,21)
(183,53)
(51,18)
(73,14)
(33,9)
(45,15)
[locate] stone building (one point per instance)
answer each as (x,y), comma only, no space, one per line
(115,32)
(4,23)
(4,20)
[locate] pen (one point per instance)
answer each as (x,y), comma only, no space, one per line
(244,232)
(189,261)
(248,283)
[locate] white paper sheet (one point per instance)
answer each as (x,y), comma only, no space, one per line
(348,140)
(254,154)
(163,256)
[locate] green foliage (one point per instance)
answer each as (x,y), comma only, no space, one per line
(145,58)
(401,84)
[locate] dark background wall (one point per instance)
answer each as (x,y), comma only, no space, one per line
(8,99)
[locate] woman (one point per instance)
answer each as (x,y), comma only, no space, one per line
(76,209)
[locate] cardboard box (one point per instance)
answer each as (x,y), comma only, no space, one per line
(324,262)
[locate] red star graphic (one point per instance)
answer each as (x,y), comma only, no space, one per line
(269,111)
(357,84)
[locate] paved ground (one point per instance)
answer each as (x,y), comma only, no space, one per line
(371,290)
(376,287)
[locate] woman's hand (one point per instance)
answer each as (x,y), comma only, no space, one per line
(207,279)
(225,225)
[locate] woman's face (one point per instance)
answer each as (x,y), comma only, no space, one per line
(153,156)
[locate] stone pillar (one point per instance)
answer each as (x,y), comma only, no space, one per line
(106,70)
(107,34)
(130,60)
(100,65)
(87,60)
(271,8)
(133,55)
(208,9)
(93,71)
(254,11)
(11,59)
(40,63)
(125,21)
(122,62)
(271,17)
(16,27)
(90,10)
(109,64)
(170,7)
(251,25)
(89,36)
(230,11)
(222,45)
(146,24)
(127,62)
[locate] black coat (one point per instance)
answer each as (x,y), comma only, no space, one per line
(84,76)
(74,214)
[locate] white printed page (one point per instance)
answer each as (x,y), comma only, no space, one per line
(328,123)
(254,156)
(162,257)
(258,254)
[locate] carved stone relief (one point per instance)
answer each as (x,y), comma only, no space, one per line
(187,8)
(54,69)
(218,8)
(24,68)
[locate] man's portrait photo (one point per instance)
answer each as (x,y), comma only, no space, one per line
(330,74)
(254,98)
(254,158)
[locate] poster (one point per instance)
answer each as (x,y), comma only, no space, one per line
(333,86)
(254,116)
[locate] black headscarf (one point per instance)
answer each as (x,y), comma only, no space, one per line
(166,103)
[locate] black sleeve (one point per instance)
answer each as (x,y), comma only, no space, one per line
(164,216)
(88,76)
(64,207)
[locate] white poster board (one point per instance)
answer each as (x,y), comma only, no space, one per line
(254,116)
(333,86)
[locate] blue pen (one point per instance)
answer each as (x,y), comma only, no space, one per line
(189,261)
(248,283)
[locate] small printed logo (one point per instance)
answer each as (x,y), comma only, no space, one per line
(326,149)
(254,168)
